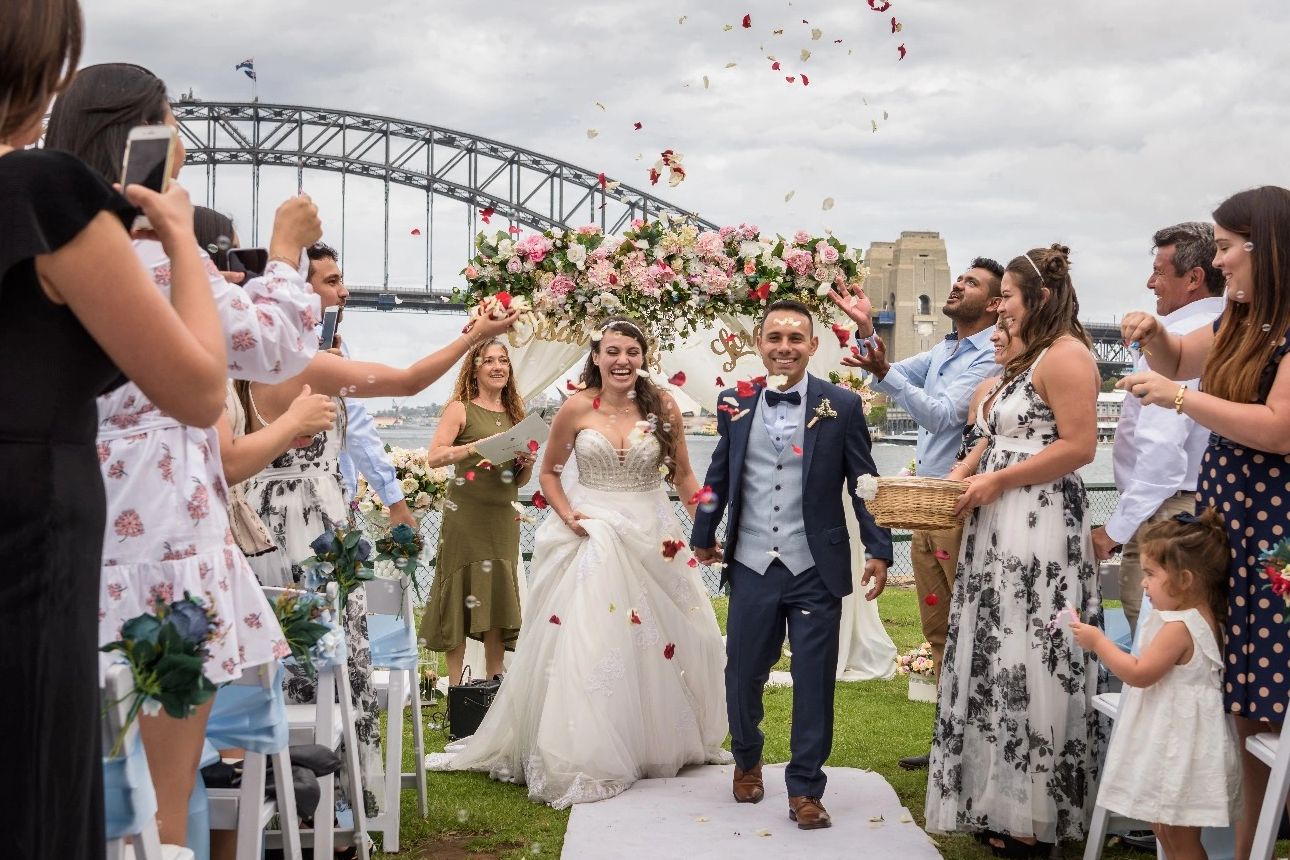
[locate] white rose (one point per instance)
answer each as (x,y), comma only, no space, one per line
(422,500)
(577,254)
(366,506)
(749,250)
(408,485)
(505,249)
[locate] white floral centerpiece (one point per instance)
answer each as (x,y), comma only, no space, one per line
(917,663)
(668,272)
(424,487)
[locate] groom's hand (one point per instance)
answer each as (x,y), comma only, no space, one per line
(875,570)
(707,554)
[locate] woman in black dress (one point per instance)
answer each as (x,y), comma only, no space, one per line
(76,307)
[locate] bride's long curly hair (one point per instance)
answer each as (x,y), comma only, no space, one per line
(649,398)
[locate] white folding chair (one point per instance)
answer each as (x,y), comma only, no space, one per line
(329,721)
(390,627)
(1107,704)
(1267,748)
(129,801)
(246,809)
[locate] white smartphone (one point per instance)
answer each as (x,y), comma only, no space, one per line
(149,159)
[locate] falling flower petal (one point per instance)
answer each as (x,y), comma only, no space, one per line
(486,214)
(599,105)
(805,81)
(671,548)
(738,415)
(778,32)
(837,41)
(539,500)
(874,123)
(931,600)
(806,55)
(816,33)
(942,554)
(790,78)
(827,204)
(705,82)
(592,134)
(896,26)
(681,20)
(772,553)
(653,176)
(842,334)
(533,446)
(901,49)
(669,650)
(677,378)
(797,449)
(747,22)
(693,562)
(703,496)
(721,383)
(470,474)
(775,66)
(612,607)
(789,195)
(906,818)
(728,27)
(701,819)
(731,65)
(880,5)
(595,403)
(554,619)
(635,617)
(636,126)
(600,177)
(513,229)
(416,231)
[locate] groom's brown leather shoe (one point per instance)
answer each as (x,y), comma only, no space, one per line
(808,812)
(748,786)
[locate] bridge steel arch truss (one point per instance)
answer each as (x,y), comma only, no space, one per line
(521,186)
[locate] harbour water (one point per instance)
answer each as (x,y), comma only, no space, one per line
(889,457)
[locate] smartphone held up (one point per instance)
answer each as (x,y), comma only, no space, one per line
(331,319)
(149,161)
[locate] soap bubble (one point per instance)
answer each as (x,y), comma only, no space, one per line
(212,248)
(371,379)
(486,566)
(557,469)
(508,477)
(708,506)
(462,816)
(1240,294)
(459,481)
(535,848)
(472,602)
(223,243)
(449,504)
(1266,327)
(631,395)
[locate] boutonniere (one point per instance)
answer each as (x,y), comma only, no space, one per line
(824,410)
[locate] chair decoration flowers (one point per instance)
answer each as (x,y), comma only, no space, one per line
(308,628)
(342,556)
(668,272)
(402,547)
(166,650)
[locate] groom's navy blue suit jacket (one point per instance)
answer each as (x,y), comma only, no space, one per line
(833,449)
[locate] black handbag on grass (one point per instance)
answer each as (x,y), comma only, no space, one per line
(467,704)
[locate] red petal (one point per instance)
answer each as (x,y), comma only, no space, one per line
(797,449)
(693,562)
(486,213)
(554,619)
(504,298)
(721,383)
(841,334)
(744,389)
(636,126)
(539,500)
(671,548)
(942,554)
(653,176)
(603,181)
(774,67)
(791,78)
(902,50)
(533,446)
(677,378)
(880,5)
(669,650)
(470,475)
(806,82)
(416,231)
(635,618)
(747,22)
(855,350)
(931,600)
(569,385)
(595,403)
(513,229)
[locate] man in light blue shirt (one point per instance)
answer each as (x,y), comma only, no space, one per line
(363,447)
(936,388)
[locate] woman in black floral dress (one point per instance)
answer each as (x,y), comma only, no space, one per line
(1013,753)
(1245,402)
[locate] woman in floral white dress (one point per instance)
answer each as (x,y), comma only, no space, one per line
(167,529)
(1014,748)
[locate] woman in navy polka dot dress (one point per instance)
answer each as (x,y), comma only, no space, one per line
(1245,402)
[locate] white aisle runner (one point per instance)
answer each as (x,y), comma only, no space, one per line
(694,817)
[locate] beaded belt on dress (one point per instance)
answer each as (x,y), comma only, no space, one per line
(620,483)
(1012,443)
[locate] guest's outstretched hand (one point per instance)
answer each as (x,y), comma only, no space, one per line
(1138,328)
(854,303)
(872,359)
(875,571)
(494,327)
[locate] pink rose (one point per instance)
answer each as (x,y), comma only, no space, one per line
(471,273)
(726,232)
(827,252)
(589,230)
(748,231)
(637,223)
(562,285)
(709,243)
(799,260)
(801,237)
(514,265)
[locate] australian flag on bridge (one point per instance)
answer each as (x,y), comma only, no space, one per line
(247,67)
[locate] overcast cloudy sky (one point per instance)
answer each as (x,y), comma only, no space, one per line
(1010,123)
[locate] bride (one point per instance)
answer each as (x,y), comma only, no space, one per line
(617,674)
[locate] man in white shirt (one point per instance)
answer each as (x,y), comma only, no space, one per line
(1157,450)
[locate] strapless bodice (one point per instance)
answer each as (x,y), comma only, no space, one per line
(601,466)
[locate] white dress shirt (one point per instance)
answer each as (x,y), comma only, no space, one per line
(782,419)
(1157,452)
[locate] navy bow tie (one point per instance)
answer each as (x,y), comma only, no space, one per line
(776,397)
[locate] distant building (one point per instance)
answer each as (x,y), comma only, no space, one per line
(1109,406)
(909,281)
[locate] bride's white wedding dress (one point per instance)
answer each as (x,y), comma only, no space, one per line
(618,672)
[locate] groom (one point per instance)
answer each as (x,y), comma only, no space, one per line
(779,469)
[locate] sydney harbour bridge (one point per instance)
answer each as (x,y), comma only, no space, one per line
(459,170)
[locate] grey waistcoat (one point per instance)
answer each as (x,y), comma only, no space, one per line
(770,518)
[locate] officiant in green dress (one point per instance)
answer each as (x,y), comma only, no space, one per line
(476,591)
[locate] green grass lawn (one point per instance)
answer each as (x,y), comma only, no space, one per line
(876,724)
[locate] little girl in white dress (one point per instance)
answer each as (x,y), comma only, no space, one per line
(1173,758)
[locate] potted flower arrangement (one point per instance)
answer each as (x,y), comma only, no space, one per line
(667,272)
(917,664)
(424,488)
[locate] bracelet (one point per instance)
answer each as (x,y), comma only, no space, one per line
(1178,399)
(284,260)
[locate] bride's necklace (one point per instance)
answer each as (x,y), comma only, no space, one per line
(617,410)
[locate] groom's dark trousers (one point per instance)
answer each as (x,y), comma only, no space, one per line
(761,606)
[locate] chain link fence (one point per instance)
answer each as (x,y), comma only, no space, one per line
(1102,500)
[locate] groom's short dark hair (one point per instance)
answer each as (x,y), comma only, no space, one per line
(786,305)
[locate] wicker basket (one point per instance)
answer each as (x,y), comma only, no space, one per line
(916,503)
